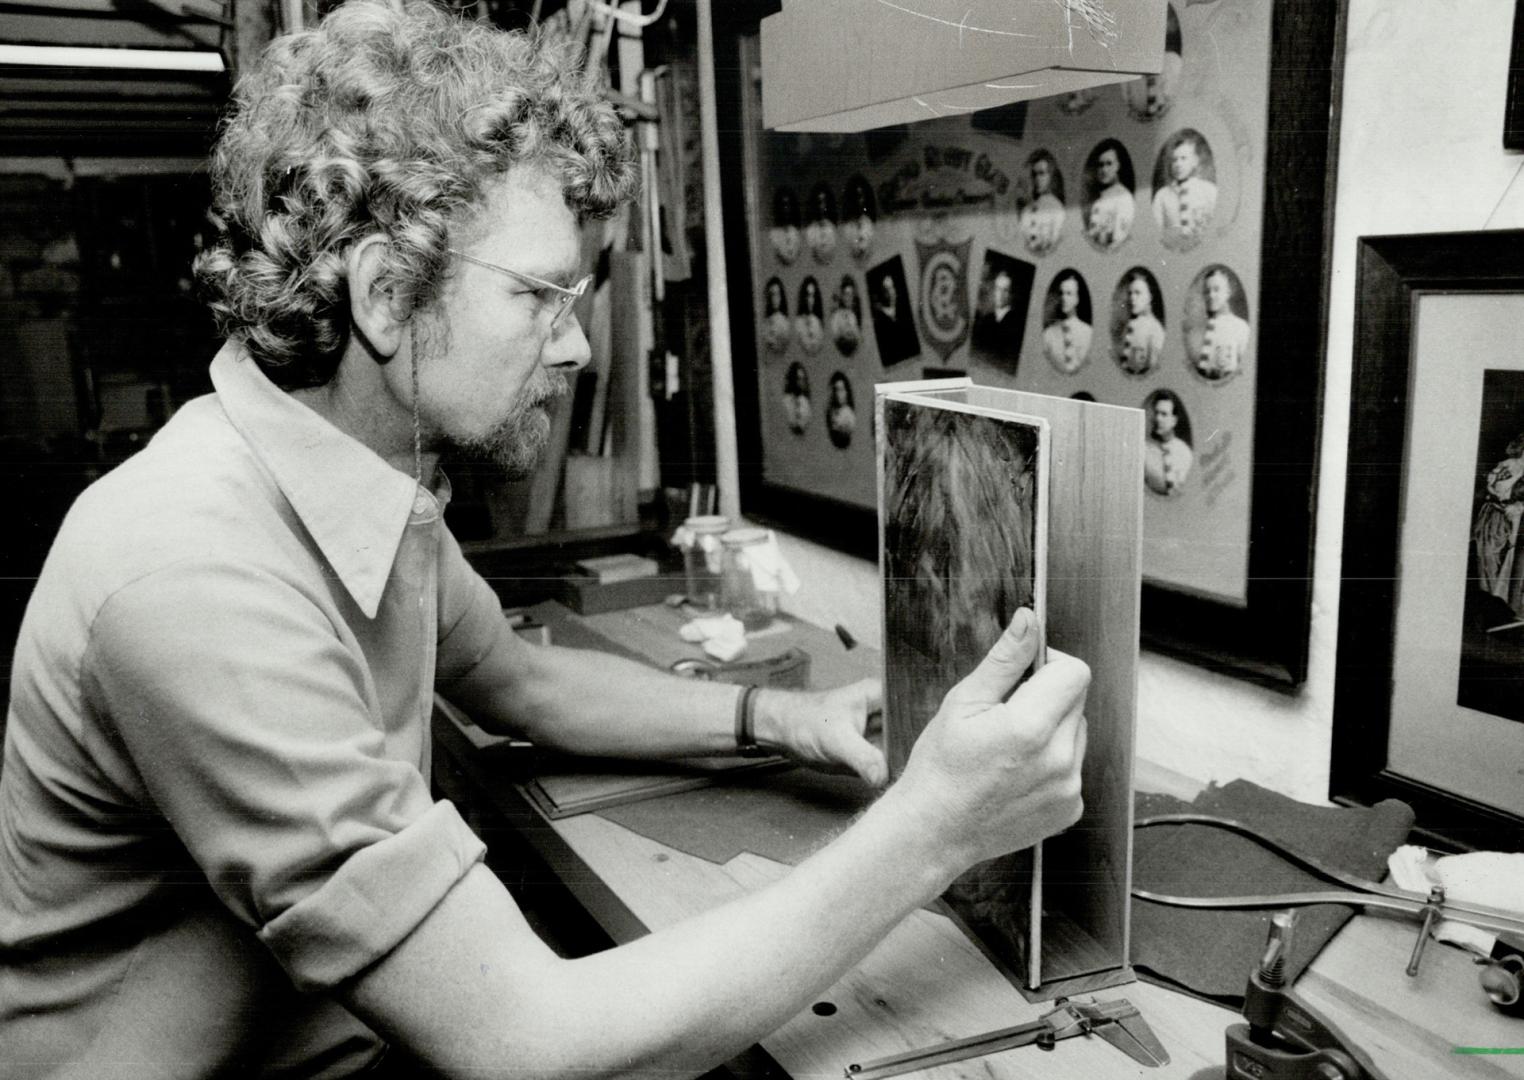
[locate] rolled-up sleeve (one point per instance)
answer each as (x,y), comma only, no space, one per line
(360,914)
(250,722)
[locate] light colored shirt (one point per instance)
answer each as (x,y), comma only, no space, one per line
(785,240)
(213,794)
(820,235)
(809,331)
(1042,223)
(1167,464)
(859,233)
(1224,340)
(1066,342)
(846,330)
(1142,344)
(1185,209)
(775,331)
(1109,220)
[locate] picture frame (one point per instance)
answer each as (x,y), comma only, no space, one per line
(1261,636)
(1513,110)
(1435,389)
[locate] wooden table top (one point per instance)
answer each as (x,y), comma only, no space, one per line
(928,983)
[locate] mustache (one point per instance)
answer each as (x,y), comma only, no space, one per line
(555,387)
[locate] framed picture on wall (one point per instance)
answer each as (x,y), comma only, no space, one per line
(1159,245)
(1513,109)
(1429,692)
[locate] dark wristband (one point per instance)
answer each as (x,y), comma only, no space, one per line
(746,739)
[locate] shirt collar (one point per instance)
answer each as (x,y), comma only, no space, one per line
(354,504)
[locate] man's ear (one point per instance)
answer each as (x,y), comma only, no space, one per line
(372,309)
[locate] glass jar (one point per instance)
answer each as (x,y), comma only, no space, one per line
(749,584)
(699,541)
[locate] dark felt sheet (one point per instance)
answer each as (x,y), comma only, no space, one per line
(1210,953)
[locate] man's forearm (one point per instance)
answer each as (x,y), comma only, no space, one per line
(473,993)
(593,703)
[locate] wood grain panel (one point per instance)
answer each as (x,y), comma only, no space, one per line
(1094,571)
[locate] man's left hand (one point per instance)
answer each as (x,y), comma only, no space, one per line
(826,729)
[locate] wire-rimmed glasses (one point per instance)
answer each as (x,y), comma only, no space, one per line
(557,298)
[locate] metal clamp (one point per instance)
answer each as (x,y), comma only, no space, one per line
(1118,1022)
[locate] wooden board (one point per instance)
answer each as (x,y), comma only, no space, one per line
(1094,582)
(843,67)
(1093,579)
(596,784)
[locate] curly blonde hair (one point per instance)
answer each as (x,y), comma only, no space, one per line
(392,119)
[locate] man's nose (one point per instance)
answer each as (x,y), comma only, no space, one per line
(567,347)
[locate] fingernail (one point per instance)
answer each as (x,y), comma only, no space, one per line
(1023,624)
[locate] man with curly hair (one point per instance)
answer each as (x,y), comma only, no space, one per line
(218,851)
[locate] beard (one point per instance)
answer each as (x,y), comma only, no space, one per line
(516,442)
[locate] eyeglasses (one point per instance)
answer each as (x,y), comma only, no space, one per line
(556,298)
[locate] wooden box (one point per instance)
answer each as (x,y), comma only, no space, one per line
(1053,918)
(586,595)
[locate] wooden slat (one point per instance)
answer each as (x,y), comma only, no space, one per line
(40,28)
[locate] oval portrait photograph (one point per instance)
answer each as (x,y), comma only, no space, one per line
(1216,324)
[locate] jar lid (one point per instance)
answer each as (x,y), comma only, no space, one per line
(708,523)
(745,537)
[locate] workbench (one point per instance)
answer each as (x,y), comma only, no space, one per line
(927,982)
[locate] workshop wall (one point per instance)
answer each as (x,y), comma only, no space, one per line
(1420,151)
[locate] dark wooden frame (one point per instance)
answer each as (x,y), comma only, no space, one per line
(1266,640)
(1392,270)
(1513,111)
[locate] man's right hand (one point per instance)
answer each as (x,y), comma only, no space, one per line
(996,772)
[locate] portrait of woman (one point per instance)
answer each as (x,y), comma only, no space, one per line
(775,324)
(841,412)
(1185,190)
(1042,207)
(1217,331)
(796,398)
(1495,530)
(1137,324)
(820,229)
(859,213)
(783,234)
(809,322)
(1109,185)
(847,317)
(1067,327)
(1492,624)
